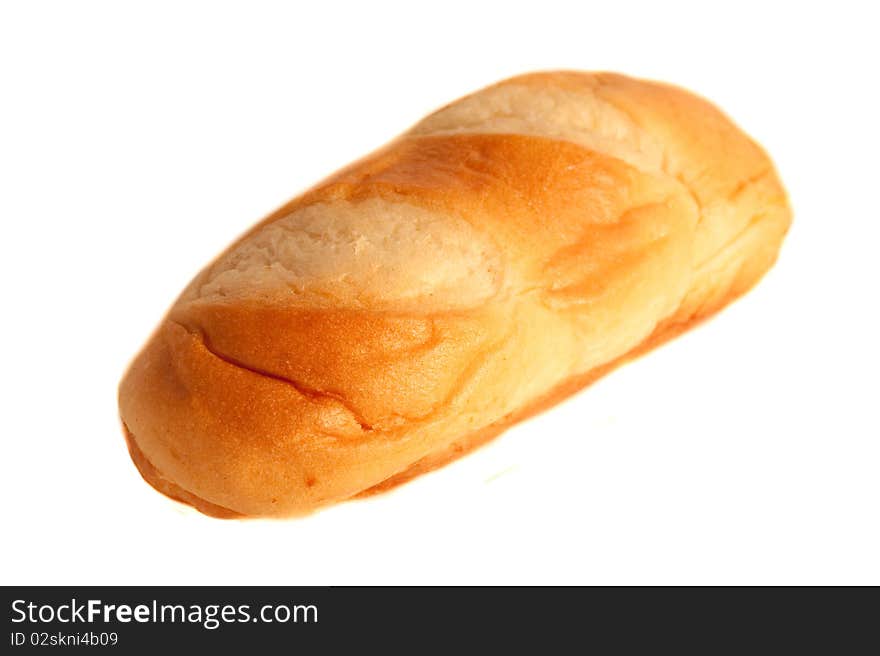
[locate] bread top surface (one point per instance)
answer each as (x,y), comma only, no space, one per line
(518,237)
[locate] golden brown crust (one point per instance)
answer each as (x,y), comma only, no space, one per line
(152,476)
(452,452)
(507,250)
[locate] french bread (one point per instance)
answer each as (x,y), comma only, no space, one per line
(498,256)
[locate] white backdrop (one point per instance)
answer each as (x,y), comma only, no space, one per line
(138,139)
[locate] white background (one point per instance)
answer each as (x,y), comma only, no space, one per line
(138,139)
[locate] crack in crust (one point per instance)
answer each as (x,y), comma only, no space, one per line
(396,421)
(304,390)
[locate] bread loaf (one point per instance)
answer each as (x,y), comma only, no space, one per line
(505,251)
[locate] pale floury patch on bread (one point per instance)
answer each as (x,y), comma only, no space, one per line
(577,115)
(369,254)
(501,254)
